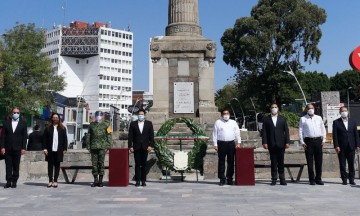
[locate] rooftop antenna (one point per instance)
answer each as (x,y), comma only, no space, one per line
(128,28)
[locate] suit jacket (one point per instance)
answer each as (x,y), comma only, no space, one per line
(275,136)
(14,140)
(62,142)
(345,138)
(35,141)
(139,140)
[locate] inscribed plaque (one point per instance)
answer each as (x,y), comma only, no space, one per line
(183,97)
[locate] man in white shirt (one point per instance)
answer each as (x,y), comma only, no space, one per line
(225,132)
(312,136)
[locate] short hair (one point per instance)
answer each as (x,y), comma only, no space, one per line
(274,104)
(141,110)
(36,127)
(15,107)
(224,110)
(342,108)
(307,105)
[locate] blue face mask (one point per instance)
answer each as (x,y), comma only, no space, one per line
(15,116)
(141,117)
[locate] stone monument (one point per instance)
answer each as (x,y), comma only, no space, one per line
(183,68)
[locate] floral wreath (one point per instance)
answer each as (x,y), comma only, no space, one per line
(195,156)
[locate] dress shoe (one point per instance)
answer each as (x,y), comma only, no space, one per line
(283,182)
(222,182)
(319,182)
(143,184)
(230,182)
(55,185)
(137,184)
(312,182)
(352,182)
(273,183)
(13,185)
(8,185)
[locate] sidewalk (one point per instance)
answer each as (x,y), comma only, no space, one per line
(205,198)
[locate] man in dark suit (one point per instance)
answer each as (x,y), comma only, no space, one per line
(276,139)
(13,145)
(346,141)
(140,142)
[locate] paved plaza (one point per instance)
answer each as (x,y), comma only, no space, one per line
(181,198)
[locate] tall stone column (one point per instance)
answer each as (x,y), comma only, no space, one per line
(183,68)
(183,18)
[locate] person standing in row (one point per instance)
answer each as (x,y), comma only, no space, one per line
(346,141)
(13,145)
(98,141)
(224,134)
(312,136)
(140,142)
(54,145)
(35,140)
(276,139)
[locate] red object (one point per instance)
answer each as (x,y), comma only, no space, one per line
(244,165)
(119,167)
(354,59)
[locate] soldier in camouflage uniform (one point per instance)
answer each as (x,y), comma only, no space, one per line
(98,141)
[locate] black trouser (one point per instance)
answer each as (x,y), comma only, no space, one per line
(53,162)
(346,154)
(314,152)
(140,157)
(226,150)
(277,163)
(12,161)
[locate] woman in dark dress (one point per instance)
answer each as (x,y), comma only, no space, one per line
(54,146)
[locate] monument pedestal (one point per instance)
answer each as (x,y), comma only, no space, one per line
(244,166)
(119,167)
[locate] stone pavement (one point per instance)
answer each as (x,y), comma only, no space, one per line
(205,198)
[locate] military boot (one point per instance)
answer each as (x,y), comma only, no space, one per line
(96,181)
(100,181)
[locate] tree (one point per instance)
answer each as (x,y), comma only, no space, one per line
(223,96)
(342,81)
(28,78)
(278,34)
(314,82)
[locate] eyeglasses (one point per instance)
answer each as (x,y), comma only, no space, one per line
(16,112)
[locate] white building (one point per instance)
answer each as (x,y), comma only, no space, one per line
(97,63)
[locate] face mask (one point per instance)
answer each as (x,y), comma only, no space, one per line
(226,117)
(15,116)
(98,118)
(344,114)
(141,117)
(274,110)
(311,111)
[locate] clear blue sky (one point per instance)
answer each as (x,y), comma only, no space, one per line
(147,18)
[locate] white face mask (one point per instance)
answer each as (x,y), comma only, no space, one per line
(344,114)
(311,111)
(226,117)
(274,111)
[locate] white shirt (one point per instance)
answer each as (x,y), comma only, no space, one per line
(55,140)
(346,123)
(14,124)
(311,127)
(274,119)
(141,126)
(226,131)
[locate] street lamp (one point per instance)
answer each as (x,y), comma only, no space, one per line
(293,74)
(78,98)
(348,99)
(242,112)
(233,111)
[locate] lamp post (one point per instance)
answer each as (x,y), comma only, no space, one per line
(78,98)
(293,74)
(233,111)
(348,99)
(242,112)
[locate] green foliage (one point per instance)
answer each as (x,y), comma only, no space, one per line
(342,81)
(314,82)
(223,96)
(277,35)
(195,156)
(292,118)
(28,77)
